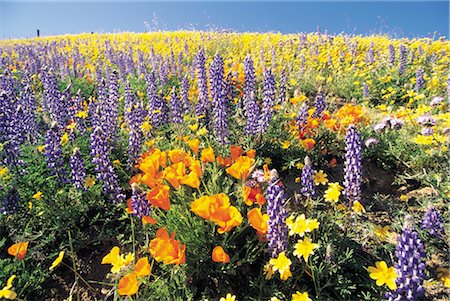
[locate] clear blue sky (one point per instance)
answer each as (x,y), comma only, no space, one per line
(400,18)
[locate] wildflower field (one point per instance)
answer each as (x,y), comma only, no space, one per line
(224,166)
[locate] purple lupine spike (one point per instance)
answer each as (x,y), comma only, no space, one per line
(175,107)
(110,110)
(53,99)
(302,117)
(370,54)
(403,56)
(283,83)
(253,114)
(410,264)
(277,231)
(157,111)
(77,169)
(432,221)
(52,153)
(164,73)
(365,92)
(103,166)
(203,105)
(448,88)
(139,202)
(30,109)
(353,165)
(10,202)
(219,99)
(128,100)
(308,187)
(136,117)
(419,80)
(268,101)
(320,105)
(249,85)
(185,103)
(179,67)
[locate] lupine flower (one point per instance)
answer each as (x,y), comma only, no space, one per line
(320,105)
(283,82)
(268,101)
(353,166)
(410,265)
(202,107)
(277,231)
(308,187)
(219,99)
(302,117)
(10,202)
(103,166)
(175,107)
(157,111)
(185,103)
(52,153)
(78,171)
(402,59)
(365,92)
(419,80)
(139,203)
(249,85)
(432,221)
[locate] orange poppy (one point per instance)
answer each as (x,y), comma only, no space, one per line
(176,155)
(258,221)
(219,255)
(142,267)
(174,173)
(18,250)
(191,180)
(252,195)
(148,220)
(196,166)
(308,143)
(241,167)
(193,145)
(225,162)
(236,151)
(167,249)
(251,153)
(159,197)
(226,218)
(207,155)
(128,285)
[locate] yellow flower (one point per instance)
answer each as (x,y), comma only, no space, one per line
(117,260)
(444,276)
(57,261)
(404,197)
(116,162)
(358,207)
(301,296)
(267,161)
(3,171)
(281,264)
(228,297)
(299,165)
(194,127)
(146,127)
(382,232)
(6,292)
(202,131)
(301,225)
(37,195)
(423,140)
(285,144)
(268,270)
(41,148)
(320,177)
(64,139)
(82,114)
(383,275)
(333,192)
(150,143)
(89,182)
(304,248)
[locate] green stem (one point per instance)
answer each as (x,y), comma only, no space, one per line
(74,266)
(314,280)
(133,238)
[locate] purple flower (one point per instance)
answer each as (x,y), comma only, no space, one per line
(185,103)
(157,111)
(202,107)
(365,92)
(380,127)
(175,107)
(320,105)
(268,101)
(427,131)
(283,82)
(371,142)
(410,265)
(52,153)
(436,101)
(353,166)
(308,187)
(419,80)
(10,202)
(402,59)
(426,120)
(276,209)
(391,54)
(78,172)
(139,203)
(103,166)
(302,117)
(432,221)
(219,99)
(249,85)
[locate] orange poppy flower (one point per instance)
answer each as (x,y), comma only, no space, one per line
(219,255)
(332,163)
(193,145)
(202,206)
(142,267)
(191,180)
(226,218)
(207,155)
(308,143)
(129,208)
(241,167)
(251,153)
(236,152)
(196,166)
(258,221)
(174,173)
(148,220)
(176,155)
(225,162)
(136,179)
(252,195)
(159,197)
(128,285)
(18,250)
(167,249)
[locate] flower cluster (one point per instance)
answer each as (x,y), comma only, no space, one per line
(353,165)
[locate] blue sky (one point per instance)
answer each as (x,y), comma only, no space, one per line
(400,18)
